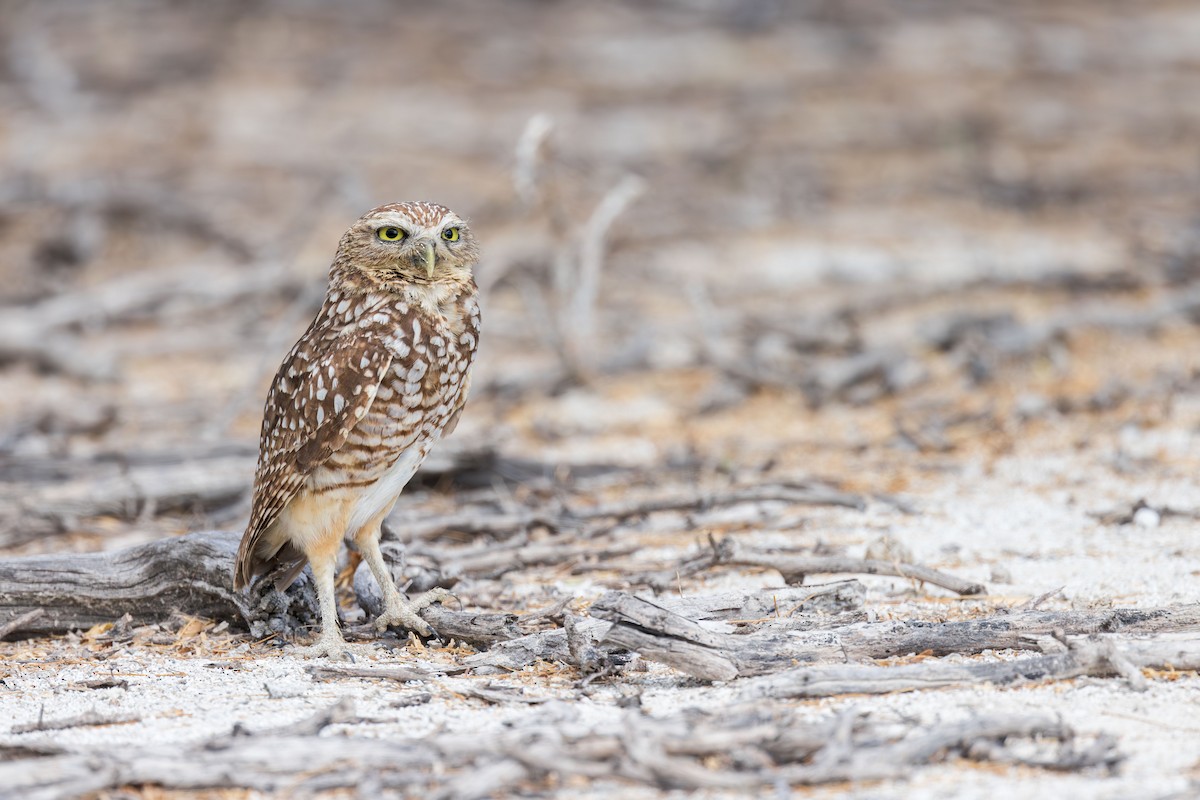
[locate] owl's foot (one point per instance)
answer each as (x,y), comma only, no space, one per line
(399,611)
(332,645)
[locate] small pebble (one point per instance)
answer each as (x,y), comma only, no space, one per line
(1146,518)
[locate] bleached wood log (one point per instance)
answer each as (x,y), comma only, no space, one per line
(191,574)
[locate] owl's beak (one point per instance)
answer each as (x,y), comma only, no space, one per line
(430,258)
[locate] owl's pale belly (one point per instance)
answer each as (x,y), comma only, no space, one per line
(380,495)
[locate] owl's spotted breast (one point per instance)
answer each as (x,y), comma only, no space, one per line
(416,402)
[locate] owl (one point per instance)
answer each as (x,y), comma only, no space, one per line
(380,375)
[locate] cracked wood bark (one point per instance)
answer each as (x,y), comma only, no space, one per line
(191,574)
(746,746)
(659,634)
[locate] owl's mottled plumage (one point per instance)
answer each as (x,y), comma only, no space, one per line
(379,376)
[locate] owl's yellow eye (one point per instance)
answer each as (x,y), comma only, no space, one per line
(390,234)
(450,234)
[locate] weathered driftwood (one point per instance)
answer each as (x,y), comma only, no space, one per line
(658,634)
(795,567)
(1017,631)
(801,607)
(746,747)
(1101,655)
(698,500)
(796,604)
(524,650)
(496,559)
(477,628)
(190,574)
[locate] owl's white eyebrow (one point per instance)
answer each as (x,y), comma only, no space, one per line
(393,221)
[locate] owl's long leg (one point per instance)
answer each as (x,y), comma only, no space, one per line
(330,642)
(397,609)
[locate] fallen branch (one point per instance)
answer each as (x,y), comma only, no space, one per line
(20,622)
(801,607)
(795,568)
(388,673)
(1015,631)
(745,747)
(658,634)
(496,559)
(1085,656)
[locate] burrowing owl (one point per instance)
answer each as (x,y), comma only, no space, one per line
(379,376)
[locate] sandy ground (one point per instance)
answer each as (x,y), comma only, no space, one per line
(1028,516)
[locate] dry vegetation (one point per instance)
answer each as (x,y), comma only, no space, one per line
(904,294)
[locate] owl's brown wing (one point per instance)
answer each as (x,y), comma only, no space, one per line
(452,423)
(323,388)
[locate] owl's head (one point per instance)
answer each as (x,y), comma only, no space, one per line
(401,244)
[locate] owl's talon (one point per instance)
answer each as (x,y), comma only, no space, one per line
(336,648)
(404,612)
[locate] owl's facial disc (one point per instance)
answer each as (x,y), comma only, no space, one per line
(403,243)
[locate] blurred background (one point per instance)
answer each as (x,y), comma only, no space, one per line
(883,244)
